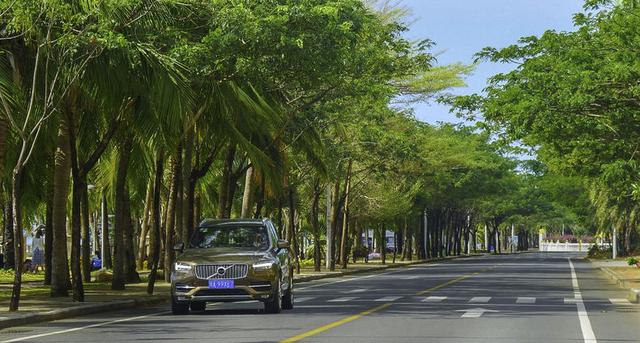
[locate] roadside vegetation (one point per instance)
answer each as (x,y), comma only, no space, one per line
(141,118)
(572,96)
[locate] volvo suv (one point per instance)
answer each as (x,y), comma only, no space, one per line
(232,260)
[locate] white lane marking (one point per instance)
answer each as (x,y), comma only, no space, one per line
(341,300)
(474,312)
(303,299)
(411,277)
(620,301)
(433,299)
(583,315)
(482,300)
(526,300)
(83,327)
(359,290)
(386,299)
(399,270)
(569,300)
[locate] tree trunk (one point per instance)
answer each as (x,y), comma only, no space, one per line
(191,209)
(76,274)
(48,233)
(382,242)
(106,254)
(4,130)
(155,231)
(131,275)
(334,223)
(315,226)
(246,196)
(291,228)
(260,200)
(8,235)
(345,218)
(223,196)
(146,219)
(119,277)
(86,249)
(187,203)
(171,218)
(59,262)
(16,191)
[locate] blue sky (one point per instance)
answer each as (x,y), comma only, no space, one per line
(461,28)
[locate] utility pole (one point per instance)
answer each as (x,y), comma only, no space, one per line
(512,240)
(486,238)
(329,233)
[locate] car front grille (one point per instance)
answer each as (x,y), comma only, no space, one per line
(231,271)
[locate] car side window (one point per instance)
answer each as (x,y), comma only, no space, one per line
(273,234)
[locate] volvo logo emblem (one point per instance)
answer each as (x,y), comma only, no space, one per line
(220,271)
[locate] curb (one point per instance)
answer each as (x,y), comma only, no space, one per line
(633,295)
(31,318)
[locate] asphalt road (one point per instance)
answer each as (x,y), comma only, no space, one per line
(532,297)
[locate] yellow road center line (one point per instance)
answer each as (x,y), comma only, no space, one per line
(370,311)
(334,324)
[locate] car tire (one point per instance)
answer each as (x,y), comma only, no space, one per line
(287,299)
(198,306)
(274,304)
(179,308)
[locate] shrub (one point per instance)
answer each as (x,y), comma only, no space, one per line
(632,261)
(600,252)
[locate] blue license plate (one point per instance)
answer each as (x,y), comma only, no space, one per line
(221,284)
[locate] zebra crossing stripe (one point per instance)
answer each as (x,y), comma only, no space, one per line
(387,299)
(525,300)
(341,300)
(620,301)
(433,299)
(482,300)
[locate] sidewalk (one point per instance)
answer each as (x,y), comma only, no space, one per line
(624,275)
(37,306)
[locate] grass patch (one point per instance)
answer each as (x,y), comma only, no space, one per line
(7,275)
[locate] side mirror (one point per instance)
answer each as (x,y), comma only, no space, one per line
(282,244)
(179,247)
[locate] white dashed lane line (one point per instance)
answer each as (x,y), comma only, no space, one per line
(525,300)
(480,300)
(359,290)
(387,299)
(433,299)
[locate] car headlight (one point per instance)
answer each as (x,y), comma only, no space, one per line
(183,269)
(263,265)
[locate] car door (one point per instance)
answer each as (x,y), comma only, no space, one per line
(283,256)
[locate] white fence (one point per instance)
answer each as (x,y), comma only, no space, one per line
(568,247)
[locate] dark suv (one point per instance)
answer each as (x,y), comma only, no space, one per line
(232,260)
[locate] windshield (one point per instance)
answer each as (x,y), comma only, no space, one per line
(249,237)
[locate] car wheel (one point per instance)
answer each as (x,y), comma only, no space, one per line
(198,306)
(287,299)
(178,308)
(274,304)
